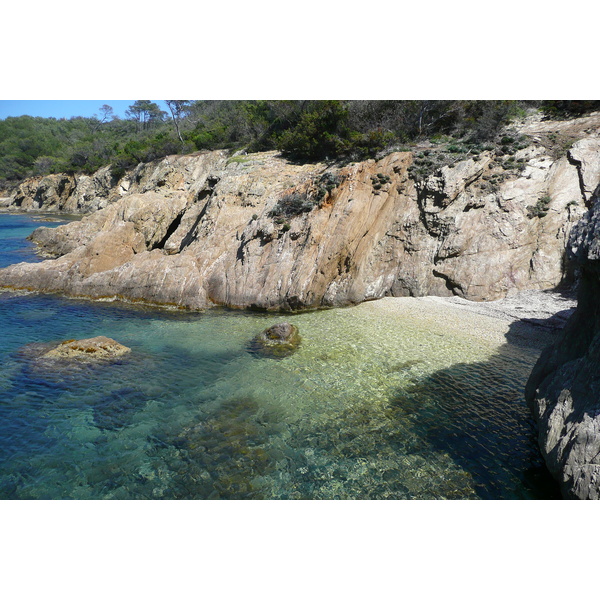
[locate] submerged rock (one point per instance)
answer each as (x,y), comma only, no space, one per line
(95,348)
(277,341)
(227,453)
(118,409)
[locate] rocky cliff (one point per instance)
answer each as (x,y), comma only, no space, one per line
(258,231)
(66,193)
(564,388)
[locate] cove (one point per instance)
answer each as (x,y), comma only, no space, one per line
(392,399)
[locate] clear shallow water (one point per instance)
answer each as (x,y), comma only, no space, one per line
(373,405)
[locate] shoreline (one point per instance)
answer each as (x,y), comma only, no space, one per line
(533,317)
(529,318)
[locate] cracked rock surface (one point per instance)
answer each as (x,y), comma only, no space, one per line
(564,388)
(257,231)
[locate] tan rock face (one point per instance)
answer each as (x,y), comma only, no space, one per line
(257,231)
(92,348)
(66,193)
(51,192)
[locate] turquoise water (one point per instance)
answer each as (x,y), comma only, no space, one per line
(374,405)
(13,231)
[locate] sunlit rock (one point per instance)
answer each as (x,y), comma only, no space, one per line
(99,347)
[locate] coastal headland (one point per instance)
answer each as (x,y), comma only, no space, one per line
(497,231)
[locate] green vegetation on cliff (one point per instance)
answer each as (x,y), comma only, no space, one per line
(301,129)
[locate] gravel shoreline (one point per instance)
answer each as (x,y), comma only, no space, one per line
(546,309)
(531,318)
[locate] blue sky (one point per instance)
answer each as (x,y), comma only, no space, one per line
(64,108)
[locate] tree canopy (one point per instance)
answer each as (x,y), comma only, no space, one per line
(301,129)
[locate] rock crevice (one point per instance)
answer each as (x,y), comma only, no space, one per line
(200,230)
(563,390)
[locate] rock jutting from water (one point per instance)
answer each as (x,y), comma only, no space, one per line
(564,388)
(95,348)
(257,231)
(277,341)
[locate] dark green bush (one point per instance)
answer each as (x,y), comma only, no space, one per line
(320,132)
(327,183)
(569,108)
(301,129)
(292,204)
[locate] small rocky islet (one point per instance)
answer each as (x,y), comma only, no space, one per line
(202,230)
(96,348)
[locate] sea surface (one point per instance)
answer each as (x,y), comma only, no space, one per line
(374,405)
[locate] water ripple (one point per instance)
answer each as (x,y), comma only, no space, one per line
(374,405)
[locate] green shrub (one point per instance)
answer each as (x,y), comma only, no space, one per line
(117,171)
(379,180)
(540,209)
(327,183)
(320,132)
(298,202)
(291,205)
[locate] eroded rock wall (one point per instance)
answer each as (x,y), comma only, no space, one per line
(65,193)
(209,229)
(564,388)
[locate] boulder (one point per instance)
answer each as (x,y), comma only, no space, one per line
(99,347)
(277,341)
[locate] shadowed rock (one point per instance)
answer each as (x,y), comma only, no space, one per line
(563,389)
